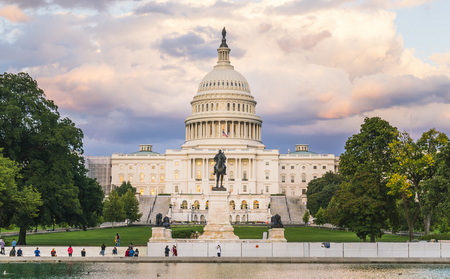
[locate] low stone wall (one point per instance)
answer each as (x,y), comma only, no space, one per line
(254,248)
(61,251)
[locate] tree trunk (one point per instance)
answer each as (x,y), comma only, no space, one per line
(22,236)
(408,220)
(427,223)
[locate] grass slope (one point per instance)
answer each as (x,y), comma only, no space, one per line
(139,235)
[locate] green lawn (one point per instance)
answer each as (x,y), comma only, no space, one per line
(139,235)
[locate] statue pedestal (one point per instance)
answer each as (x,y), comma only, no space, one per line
(218,226)
(276,235)
(168,234)
(159,235)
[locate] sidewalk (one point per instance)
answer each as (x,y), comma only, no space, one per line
(61,251)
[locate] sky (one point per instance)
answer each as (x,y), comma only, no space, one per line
(126,71)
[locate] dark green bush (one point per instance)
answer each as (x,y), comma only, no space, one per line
(182,233)
(440,236)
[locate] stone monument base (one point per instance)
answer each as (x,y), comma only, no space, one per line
(161,234)
(218,226)
(276,235)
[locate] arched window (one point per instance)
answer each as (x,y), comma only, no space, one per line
(255,205)
(303,177)
(161,178)
(207,205)
(184,205)
(244,205)
(238,219)
(233,205)
(141,177)
(196,205)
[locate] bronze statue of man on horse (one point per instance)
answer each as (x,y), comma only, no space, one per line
(220,169)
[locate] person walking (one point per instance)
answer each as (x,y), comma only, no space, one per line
(117,240)
(2,246)
(70,251)
(219,251)
(174,251)
(83,252)
(166,251)
(103,248)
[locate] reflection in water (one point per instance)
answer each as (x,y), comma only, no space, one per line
(221,270)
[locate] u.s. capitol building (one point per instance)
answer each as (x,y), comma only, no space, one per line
(260,181)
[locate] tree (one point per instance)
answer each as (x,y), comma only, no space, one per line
(124,187)
(306,217)
(131,206)
(321,190)
(363,206)
(18,206)
(362,203)
(412,178)
(113,208)
(320,217)
(47,148)
(91,200)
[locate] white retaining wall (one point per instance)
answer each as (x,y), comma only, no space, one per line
(304,249)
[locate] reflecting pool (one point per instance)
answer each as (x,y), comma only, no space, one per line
(221,270)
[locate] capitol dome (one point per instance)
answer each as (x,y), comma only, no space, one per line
(223,110)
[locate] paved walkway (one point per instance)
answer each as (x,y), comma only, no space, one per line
(92,255)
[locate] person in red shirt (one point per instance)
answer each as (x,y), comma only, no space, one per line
(70,251)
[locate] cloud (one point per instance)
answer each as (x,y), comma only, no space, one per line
(126,71)
(13,14)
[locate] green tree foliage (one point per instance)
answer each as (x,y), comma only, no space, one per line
(131,206)
(306,217)
(362,204)
(113,208)
(9,171)
(413,176)
(47,147)
(124,187)
(18,206)
(321,190)
(320,217)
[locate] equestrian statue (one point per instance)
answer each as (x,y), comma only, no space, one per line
(220,169)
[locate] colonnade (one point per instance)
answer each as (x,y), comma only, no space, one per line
(223,128)
(235,168)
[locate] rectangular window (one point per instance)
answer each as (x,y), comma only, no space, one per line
(292,167)
(283,167)
(267,189)
(244,188)
(324,167)
(315,167)
(303,191)
(176,189)
(283,178)
(292,179)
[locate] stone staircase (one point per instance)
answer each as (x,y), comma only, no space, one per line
(296,209)
(278,206)
(290,209)
(160,205)
(145,206)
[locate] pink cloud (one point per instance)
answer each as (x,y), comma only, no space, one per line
(13,14)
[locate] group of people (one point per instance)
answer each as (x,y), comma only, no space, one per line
(37,252)
(174,251)
(12,252)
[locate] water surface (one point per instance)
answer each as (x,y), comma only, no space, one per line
(221,270)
